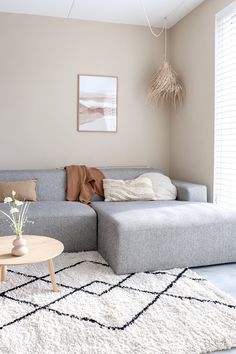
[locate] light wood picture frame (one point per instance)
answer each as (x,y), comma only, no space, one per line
(97,103)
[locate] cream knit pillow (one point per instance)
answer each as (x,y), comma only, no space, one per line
(120,190)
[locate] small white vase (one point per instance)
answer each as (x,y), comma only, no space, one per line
(19,248)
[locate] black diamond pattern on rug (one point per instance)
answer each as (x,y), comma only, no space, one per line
(98,291)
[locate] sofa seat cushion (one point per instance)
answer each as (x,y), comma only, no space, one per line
(72,223)
(145,236)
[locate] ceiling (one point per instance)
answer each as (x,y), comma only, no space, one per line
(115,11)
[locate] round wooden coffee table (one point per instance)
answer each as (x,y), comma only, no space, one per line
(41,249)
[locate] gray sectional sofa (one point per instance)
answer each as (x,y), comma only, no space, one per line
(132,236)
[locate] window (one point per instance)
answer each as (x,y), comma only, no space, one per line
(225,108)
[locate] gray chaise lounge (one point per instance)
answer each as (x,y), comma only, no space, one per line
(133,236)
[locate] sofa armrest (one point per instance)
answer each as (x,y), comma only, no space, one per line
(190,192)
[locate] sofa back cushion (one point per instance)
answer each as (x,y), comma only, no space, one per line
(51,184)
(126,172)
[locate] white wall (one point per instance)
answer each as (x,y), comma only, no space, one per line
(39,62)
(192,128)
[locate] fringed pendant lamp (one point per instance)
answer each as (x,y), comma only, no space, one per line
(165,86)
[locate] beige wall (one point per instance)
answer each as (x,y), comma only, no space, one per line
(39,61)
(192,128)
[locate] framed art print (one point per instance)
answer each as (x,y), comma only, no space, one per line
(97,103)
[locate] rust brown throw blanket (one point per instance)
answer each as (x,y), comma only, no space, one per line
(83,182)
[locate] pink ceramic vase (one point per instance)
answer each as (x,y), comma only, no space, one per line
(19,248)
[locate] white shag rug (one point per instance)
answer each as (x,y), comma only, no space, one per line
(98,312)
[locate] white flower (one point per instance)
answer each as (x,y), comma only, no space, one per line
(14,210)
(18,202)
(7,200)
(13,193)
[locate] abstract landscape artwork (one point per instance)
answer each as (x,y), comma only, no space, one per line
(97,103)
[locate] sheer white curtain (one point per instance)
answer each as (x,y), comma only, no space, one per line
(225,108)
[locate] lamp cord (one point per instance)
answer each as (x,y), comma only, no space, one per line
(165,38)
(71,7)
(164,28)
(149,24)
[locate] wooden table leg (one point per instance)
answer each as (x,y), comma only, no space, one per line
(3,273)
(52,274)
